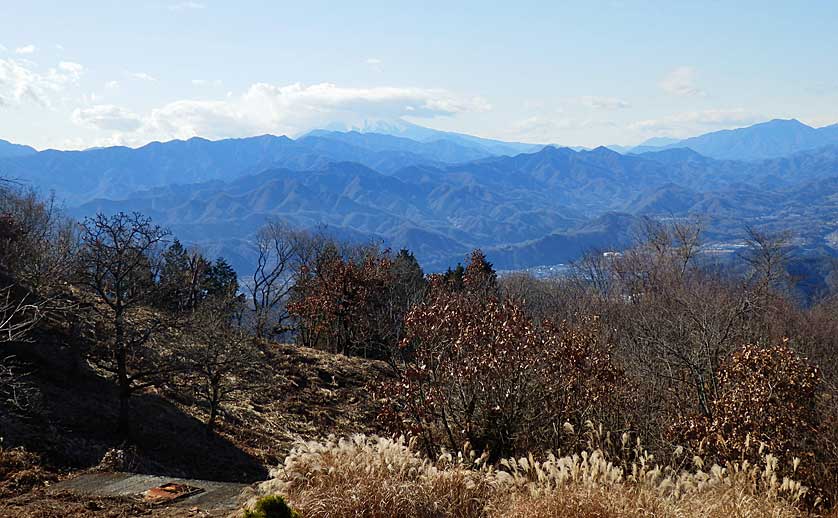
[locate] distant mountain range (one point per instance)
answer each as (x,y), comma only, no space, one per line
(773,139)
(115,172)
(9,150)
(441,194)
(401,128)
(525,210)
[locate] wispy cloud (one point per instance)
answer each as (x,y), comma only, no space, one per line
(3,48)
(375,64)
(185,6)
(681,81)
(141,76)
(604,103)
(544,129)
(112,85)
(26,49)
(107,117)
(689,123)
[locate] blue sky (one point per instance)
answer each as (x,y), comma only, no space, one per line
(80,74)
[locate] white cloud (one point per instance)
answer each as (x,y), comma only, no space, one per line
(184,6)
(266,108)
(21,82)
(689,123)
(112,85)
(3,48)
(107,117)
(75,70)
(67,73)
(681,82)
(604,103)
(141,76)
(28,49)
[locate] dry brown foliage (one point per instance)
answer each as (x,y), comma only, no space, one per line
(375,478)
(337,301)
(479,370)
(767,403)
(21,471)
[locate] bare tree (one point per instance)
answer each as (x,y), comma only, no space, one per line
(37,242)
(16,392)
(18,313)
(221,359)
(674,320)
(36,247)
(281,251)
(32,258)
(118,261)
(767,254)
(593,270)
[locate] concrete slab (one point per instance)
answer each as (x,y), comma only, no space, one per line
(216,496)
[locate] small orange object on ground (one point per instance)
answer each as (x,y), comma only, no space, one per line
(170,492)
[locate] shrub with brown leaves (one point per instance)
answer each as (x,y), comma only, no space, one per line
(767,403)
(337,301)
(478,370)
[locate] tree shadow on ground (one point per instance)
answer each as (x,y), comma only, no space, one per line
(73,426)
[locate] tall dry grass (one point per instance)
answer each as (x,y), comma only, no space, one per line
(374,477)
